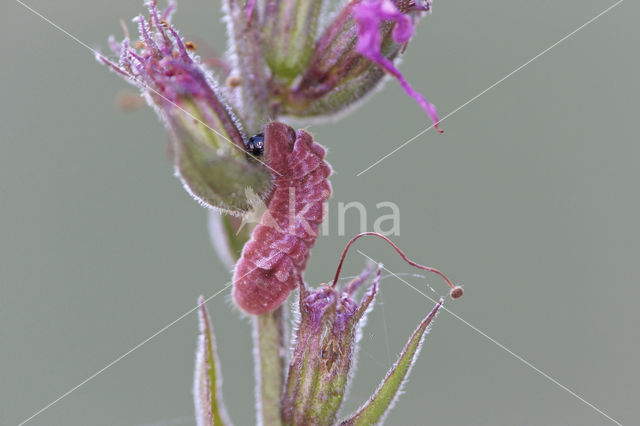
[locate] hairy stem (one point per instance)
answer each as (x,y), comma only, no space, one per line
(269,357)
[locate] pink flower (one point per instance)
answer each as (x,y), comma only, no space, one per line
(369,15)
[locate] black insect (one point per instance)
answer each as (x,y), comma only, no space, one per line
(255,145)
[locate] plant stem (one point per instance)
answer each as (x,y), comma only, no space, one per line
(269,358)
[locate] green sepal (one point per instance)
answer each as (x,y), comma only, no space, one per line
(289,33)
(209,404)
(374,411)
(214,170)
(246,57)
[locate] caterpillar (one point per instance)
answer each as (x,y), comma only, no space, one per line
(273,260)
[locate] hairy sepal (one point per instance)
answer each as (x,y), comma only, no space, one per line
(207,390)
(376,409)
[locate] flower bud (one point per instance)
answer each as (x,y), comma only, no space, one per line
(339,74)
(207,138)
(325,345)
(322,355)
(289,32)
(246,58)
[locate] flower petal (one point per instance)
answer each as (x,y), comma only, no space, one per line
(369,15)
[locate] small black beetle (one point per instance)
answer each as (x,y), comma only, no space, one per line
(255,145)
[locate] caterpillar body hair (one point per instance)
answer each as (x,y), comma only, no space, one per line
(274,259)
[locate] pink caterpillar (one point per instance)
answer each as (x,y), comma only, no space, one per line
(274,259)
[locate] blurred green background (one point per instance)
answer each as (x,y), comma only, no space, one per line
(530,199)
